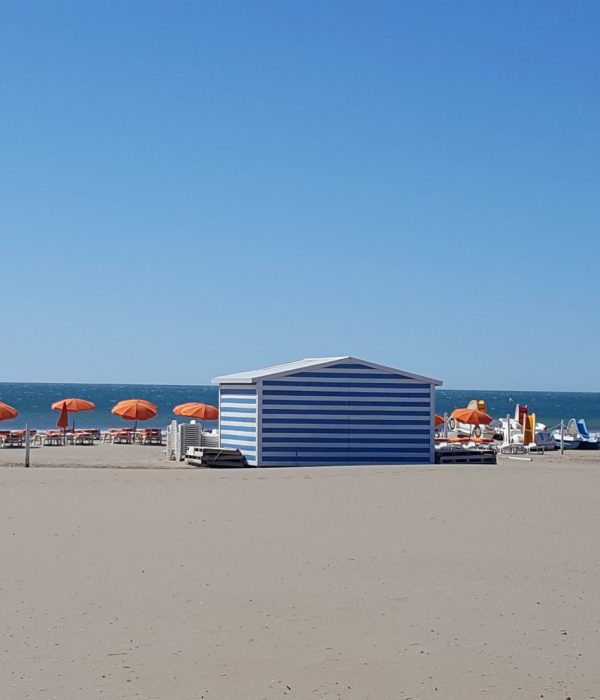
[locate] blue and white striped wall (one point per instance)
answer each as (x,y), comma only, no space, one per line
(346,412)
(238,419)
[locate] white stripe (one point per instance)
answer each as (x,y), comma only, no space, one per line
(248,414)
(250,427)
(346,369)
(381,379)
(233,404)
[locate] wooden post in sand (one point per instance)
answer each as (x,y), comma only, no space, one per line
(27,444)
(562,436)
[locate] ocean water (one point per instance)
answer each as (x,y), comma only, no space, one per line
(33,403)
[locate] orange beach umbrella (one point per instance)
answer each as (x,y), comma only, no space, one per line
(439,420)
(197,410)
(73,405)
(7,412)
(135,409)
(63,419)
(471,417)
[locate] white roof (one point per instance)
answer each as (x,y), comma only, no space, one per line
(277,370)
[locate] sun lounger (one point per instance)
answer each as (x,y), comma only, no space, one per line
(94,432)
(122,437)
(83,438)
(150,436)
(53,438)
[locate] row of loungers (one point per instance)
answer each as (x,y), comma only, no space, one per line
(127,436)
(82,436)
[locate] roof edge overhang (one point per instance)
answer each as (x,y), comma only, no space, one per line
(252,377)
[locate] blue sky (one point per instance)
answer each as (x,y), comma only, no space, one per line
(190,189)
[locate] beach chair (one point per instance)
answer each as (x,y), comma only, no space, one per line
(94,432)
(16,438)
(83,438)
(150,436)
(122,437)
(53,438)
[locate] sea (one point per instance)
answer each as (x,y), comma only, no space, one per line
(33,401)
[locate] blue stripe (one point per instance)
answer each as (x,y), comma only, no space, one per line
(227,392)
(365,385)
(239,419)
(243,438)
(350,375)
(358,404)
(234,410)
(230,399)
(344,441)
(275,461)
(340,411)
(237,446)
(346,366)
(346,394)
(352,431)
(350,450)
(239,428)
(343,421)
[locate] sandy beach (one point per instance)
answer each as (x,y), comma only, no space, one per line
(464,582)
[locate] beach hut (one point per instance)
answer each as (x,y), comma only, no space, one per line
(328,410)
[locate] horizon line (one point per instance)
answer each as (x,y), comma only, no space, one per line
(442,388)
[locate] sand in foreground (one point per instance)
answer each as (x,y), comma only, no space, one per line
(319,583)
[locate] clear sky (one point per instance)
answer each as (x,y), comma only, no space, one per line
(195,188)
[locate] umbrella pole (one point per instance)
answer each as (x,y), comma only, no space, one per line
(134,429)
(27,444)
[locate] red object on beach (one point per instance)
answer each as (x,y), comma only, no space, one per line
(63,419)
(7,412)
(439,420)
(135,409)
(471,416)
(197,410)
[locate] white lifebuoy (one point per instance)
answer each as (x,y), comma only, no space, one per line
(451,423)
(477,431)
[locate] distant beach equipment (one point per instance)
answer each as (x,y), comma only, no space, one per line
(7,412)
(72,406)
(63,419)
(63,422)
(201,411)
(470,416)
(439,420)
(135,409)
